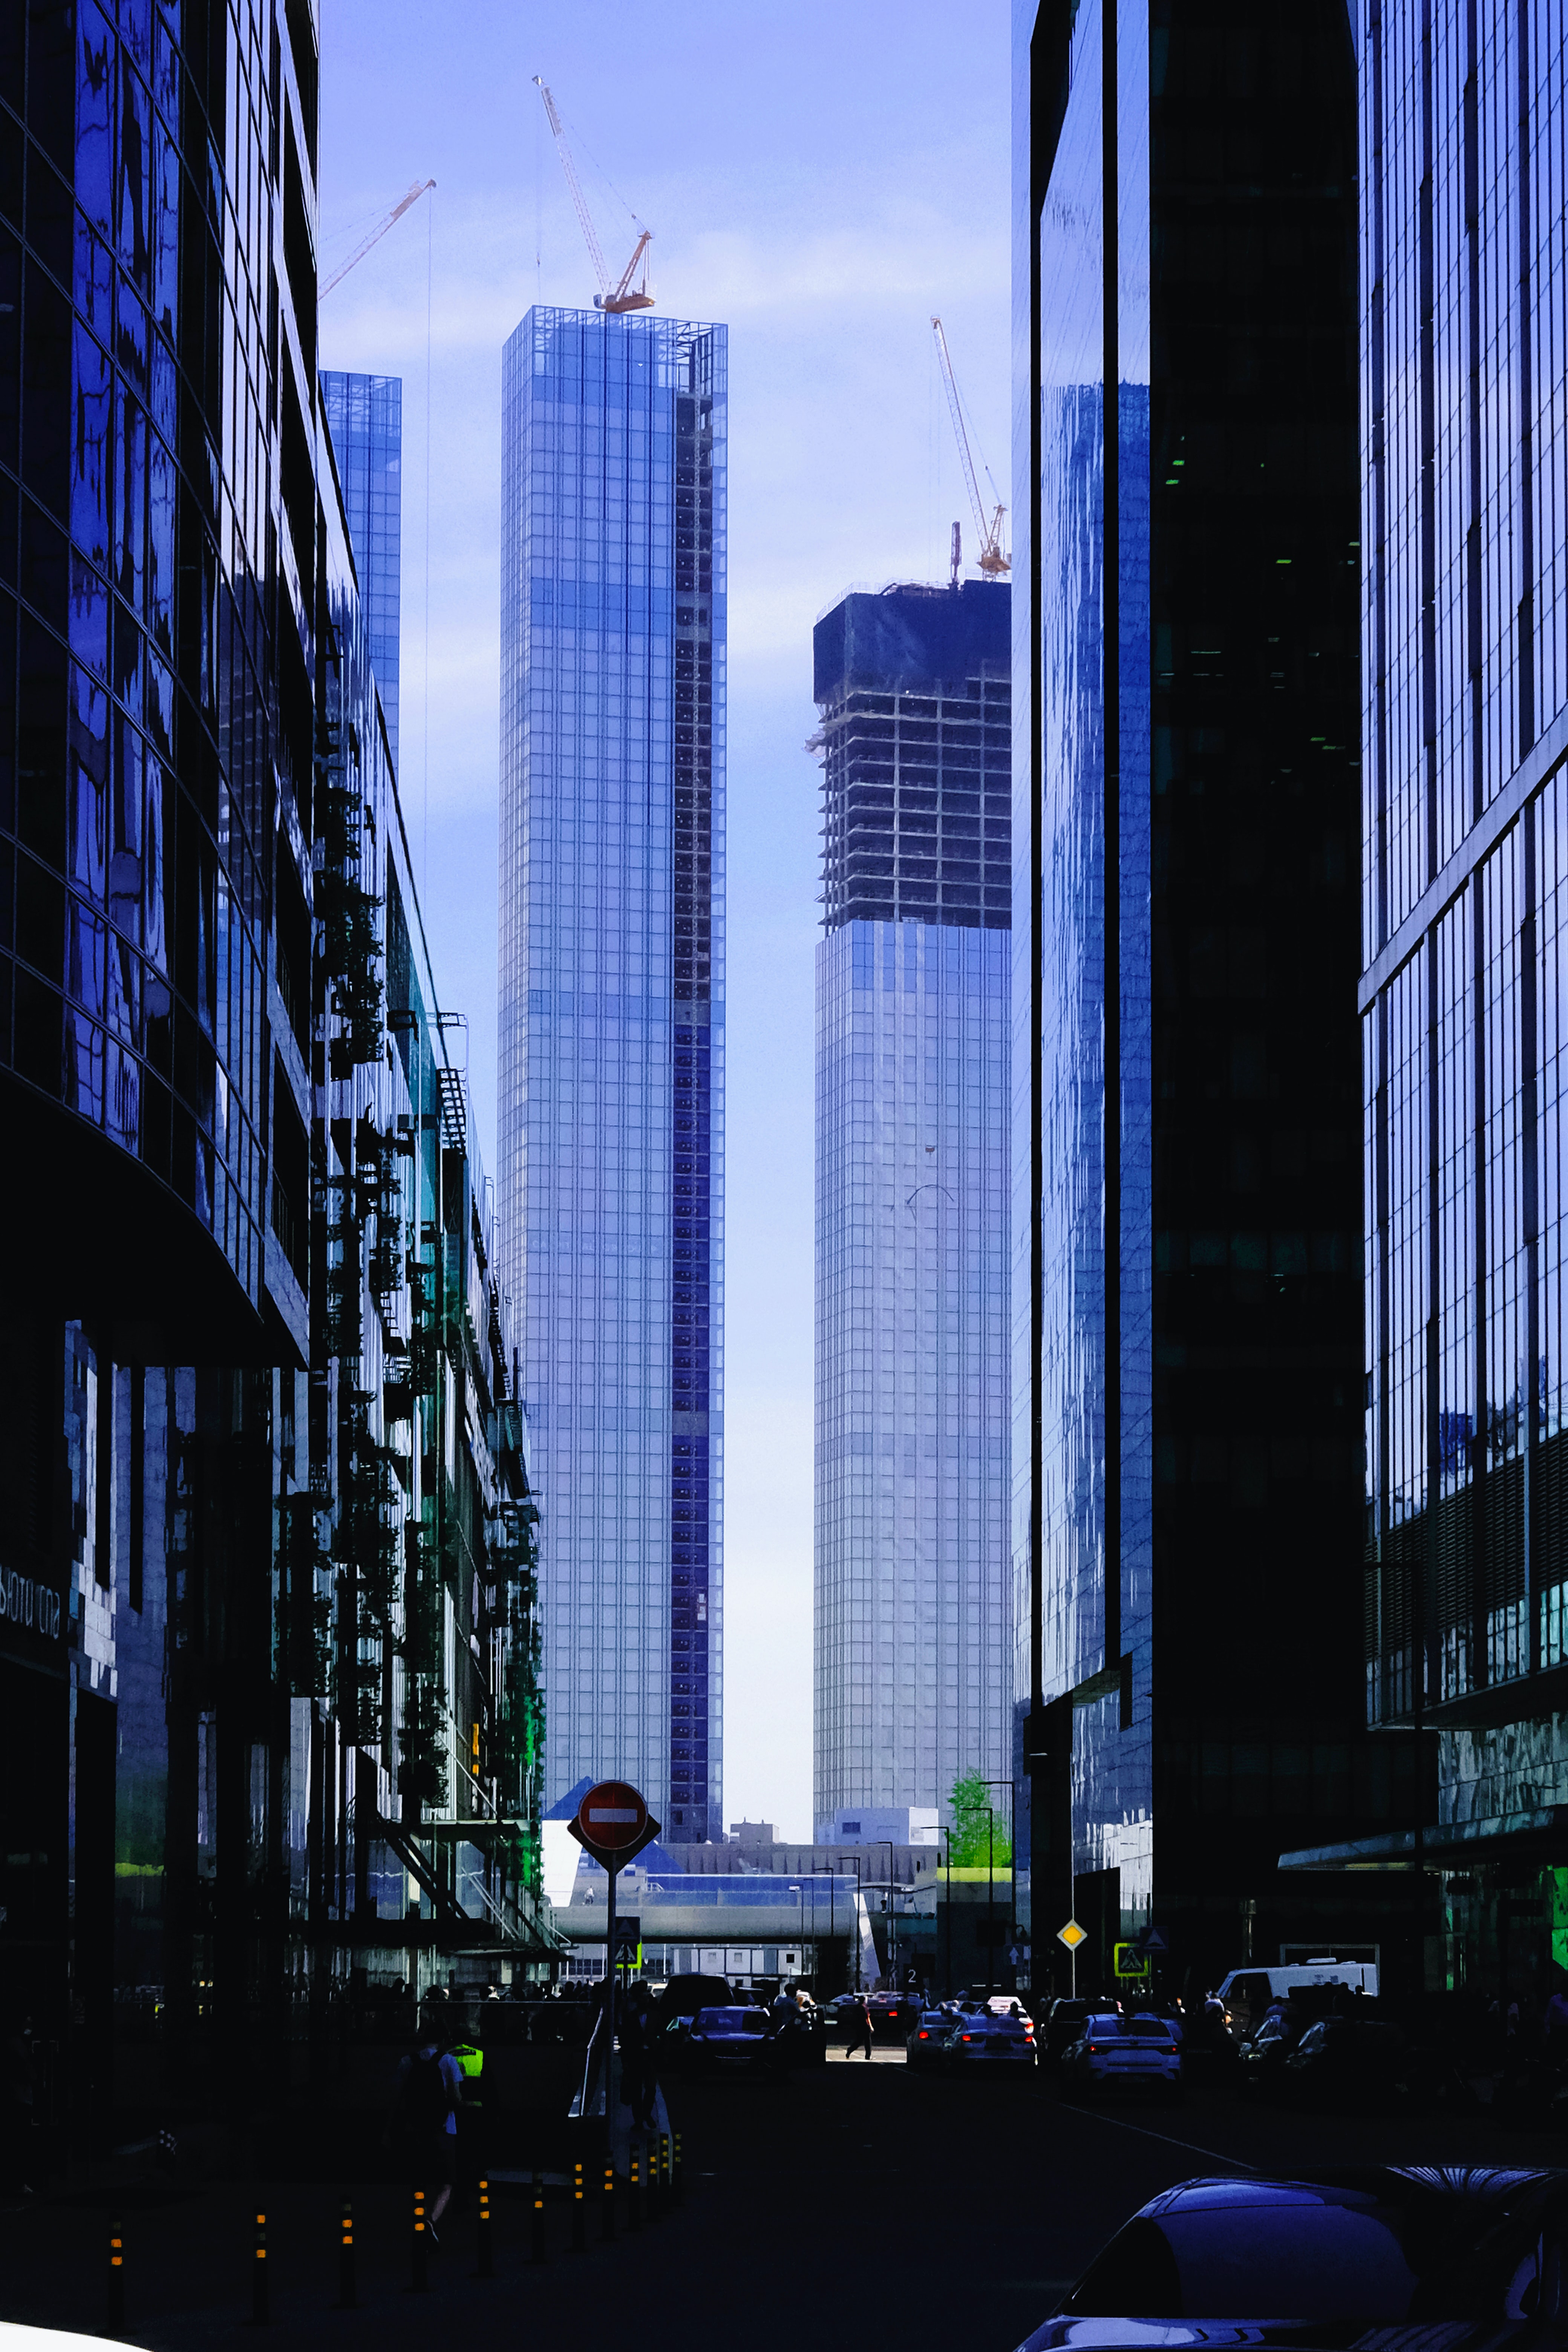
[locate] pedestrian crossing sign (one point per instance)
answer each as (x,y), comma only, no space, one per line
(1131,1960)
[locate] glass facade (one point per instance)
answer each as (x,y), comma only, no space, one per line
(1186,1343)
(268,1646)
(612,1026)
(912,1601)
(1465,842)
(138,737)
(364,414)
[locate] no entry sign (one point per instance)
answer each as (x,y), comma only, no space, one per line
(614,1823)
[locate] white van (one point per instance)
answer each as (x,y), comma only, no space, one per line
(1247,1992)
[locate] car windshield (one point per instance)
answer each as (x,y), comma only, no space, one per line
(1299,2260)
(1097,2028)
(730,2020)
(1155,2025)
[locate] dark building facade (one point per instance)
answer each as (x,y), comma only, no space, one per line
(266,1549)
(1187,1367)
(1465,851)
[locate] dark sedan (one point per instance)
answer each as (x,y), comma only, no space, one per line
(734,2042)
(1321,2262)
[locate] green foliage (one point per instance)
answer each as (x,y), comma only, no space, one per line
(979,1829)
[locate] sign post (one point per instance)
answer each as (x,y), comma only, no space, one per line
(1072,1936)
(613,1824)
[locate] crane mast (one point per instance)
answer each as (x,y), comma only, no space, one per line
(614,295)
(377,233)
(993,562)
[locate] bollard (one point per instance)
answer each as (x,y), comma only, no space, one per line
(116,2322)
(634,2193)
(536,2250)
(677,2172)
(346,2295)
(421,2245)
(579,2223)
(608,2209)
(661,2176)
(259,2311)
(487,2253)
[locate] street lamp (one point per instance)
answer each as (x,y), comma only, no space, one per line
(1013,1867)
(892,1919)
(800,1931)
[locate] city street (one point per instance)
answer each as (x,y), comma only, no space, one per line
(947,2213)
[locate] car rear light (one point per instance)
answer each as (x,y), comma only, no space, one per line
(969,2037)
(1096,2049)
(923,2036)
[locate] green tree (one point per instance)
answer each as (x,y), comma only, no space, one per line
(979,1832)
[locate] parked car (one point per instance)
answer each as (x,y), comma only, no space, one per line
(1346,2062)
(734,2040)
(927,2039)
(1064,2025)
(1133,2054)
(1380,2248)
(985,2044)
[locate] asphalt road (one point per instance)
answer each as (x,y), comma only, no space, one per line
(857,2196)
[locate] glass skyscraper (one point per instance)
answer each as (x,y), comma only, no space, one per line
(913,1615)
(1464,248)
(1187,1364)
(612,1014)
(364,418)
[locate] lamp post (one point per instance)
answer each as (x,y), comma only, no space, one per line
(1013,1870)
(892,1919)
(799,1932)
(947,1917)
(859,1915)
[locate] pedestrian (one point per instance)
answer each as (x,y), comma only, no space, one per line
(430,2088)
(1556,2020)
(859,2026)
(638,2078)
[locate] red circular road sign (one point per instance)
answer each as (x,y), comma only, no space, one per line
(613,1815)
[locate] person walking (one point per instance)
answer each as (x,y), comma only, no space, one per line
(430,2087)
(859,2027)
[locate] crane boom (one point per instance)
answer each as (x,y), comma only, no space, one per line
(611,295)
(991,560)
(377,233)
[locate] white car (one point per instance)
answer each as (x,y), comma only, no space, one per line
(1136,2054)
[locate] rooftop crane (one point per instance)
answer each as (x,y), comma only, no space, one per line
(621,296)
(993,562)
(377,233)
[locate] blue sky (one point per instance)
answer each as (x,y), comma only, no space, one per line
(822,178)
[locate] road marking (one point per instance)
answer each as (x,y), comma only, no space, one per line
(1123,2124)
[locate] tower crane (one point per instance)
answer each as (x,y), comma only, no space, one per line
(993,563)
(621,295)
(377,233)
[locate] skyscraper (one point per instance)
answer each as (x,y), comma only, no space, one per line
(612,993)
(912,1619)
(1188,1365)
(364,418)
(1464,867)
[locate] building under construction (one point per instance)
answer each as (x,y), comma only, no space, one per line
(269,1731)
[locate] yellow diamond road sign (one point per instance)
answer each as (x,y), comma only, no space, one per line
(1072,1935)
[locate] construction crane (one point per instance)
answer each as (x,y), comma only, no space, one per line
(377,233)
(623,295)
(993,562)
